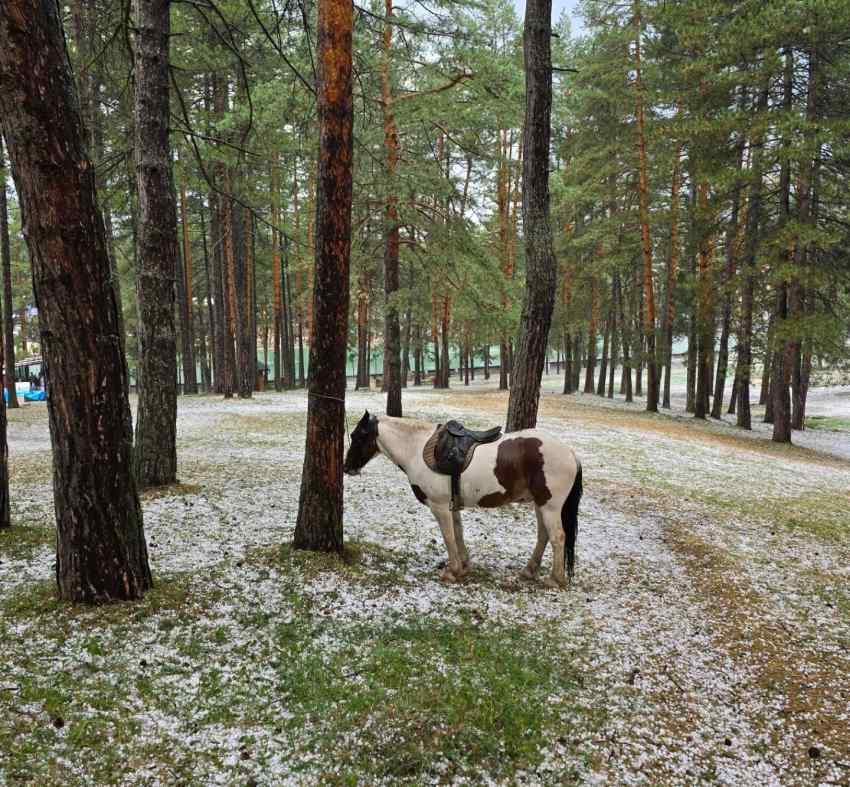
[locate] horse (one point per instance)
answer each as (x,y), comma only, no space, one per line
(523,466)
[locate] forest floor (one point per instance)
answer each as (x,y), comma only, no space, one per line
(705,638)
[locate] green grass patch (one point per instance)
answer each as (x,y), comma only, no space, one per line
(21,542)
(828,423)
(825,515)
(425,698)
(401,698)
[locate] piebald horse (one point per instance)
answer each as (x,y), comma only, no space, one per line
(524,466)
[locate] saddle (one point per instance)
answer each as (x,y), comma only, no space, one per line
(450,450)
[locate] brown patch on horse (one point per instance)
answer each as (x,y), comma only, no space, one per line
(420,495)
(519,468)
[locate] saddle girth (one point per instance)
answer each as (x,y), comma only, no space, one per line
(450,449)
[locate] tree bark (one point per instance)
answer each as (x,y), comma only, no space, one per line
(541,268)
(706,304)
(187,330)
(800,362)
(5,508)
(392,332)
(672,270)
(277,299)
(732,241)
(6,258)
(754,210)
(591,333)
(101,550)
(319,524)
(155,459)
(646,243)
(783,352)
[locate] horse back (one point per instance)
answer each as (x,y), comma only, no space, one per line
(528,465)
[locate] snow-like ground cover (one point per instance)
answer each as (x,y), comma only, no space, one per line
(705,639)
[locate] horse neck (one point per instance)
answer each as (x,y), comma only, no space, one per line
(397,443)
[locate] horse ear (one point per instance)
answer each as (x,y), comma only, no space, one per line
(365,419)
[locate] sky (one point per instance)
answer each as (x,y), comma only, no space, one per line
(557,7)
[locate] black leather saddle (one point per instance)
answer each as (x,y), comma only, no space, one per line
(453,451)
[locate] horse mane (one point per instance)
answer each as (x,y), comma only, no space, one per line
(407,424)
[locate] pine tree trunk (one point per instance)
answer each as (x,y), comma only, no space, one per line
(277,277)
(705,302)
(187,330)
(213,332)
(807,219)
(591,337)
(614,339)
(603,363)
(319,524)
(780,399)
(445,356)
(392,332)
(6,258)
(627,339)
(101,550)
(646,243)
(732,243)
(5,508)
(541,267)
(754,209)
(672,270)
(155,458)
(246,331)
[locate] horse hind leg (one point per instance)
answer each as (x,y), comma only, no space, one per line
(552,520)
(533,565)
(463,552)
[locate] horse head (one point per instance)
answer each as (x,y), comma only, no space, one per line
(364,444)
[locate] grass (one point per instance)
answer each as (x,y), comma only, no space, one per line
(828,423)
(23,541)
(401,698)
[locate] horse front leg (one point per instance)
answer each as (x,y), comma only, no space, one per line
(454,570)
(463,552)
(533,565)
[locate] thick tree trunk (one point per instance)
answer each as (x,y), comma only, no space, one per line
(101,550)
(6,258)
(541,268)
(5,508)
(155,459)
(319,524)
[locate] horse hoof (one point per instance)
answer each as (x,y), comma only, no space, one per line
(551,582)
(528,574)
(448,576)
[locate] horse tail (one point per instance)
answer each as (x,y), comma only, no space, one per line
(569,520)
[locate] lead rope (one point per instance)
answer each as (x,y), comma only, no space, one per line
(345,411)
